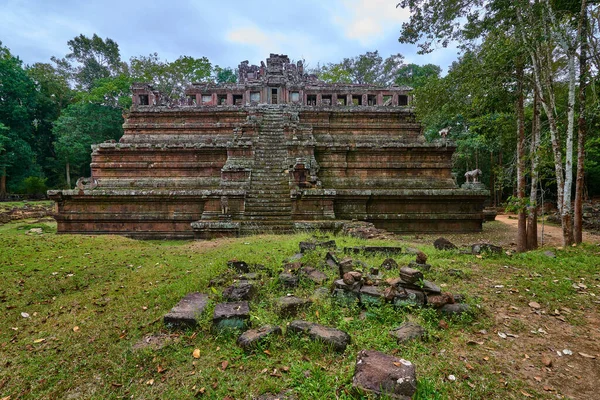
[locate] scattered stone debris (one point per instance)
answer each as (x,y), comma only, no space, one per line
(186,312)
(374,249)
(35,231)
(408,331)
(443,244)
(382,374)
(233,315)
(336,338)
(253,337)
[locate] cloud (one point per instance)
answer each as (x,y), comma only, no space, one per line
(368,21)
(297,44)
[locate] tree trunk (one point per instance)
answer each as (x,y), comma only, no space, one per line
(532,241)
(566,217)
(581,127)
(522,221)
(492,187)
(68,172)
(3,184)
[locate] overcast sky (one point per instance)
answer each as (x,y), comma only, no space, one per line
(226,32)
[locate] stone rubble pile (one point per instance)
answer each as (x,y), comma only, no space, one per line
(376,373)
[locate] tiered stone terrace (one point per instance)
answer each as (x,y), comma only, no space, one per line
(277,151)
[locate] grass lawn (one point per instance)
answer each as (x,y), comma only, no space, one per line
(82,319)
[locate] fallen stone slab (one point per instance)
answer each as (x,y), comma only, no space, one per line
(233,315)
(423,285)
(454,309)
(242,290)
(290,305)
(407,331)
(443,244)
(186,312)
(253,337)
(288,280)
(374,249)
(420,267)
(240,266)
(479,248)
(336,338)
(331,260)
(307,246)
(314,274)
(382,374)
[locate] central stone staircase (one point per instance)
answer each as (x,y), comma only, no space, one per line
(268,205)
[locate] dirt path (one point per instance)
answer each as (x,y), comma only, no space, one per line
(552,234)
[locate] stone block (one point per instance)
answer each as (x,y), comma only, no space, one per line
(233,315)
(389,264)
(186,312)
(290,305)
(331,260)
(439,300)
(371,295)
(239,266)
(407,331)
(253,337)
(454,309)
(288,280)
(336,338)
(410,275)
(409,297)
(314,275)
(382,374)
(242,290)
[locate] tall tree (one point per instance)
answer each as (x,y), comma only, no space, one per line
(170,78)
(80,126)
(91,59)
(17,104)
(416,76)
(368,68)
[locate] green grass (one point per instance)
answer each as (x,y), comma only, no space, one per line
(116,290)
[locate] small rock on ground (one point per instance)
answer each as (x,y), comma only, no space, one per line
(252,337)
(407,331)
(443,244)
